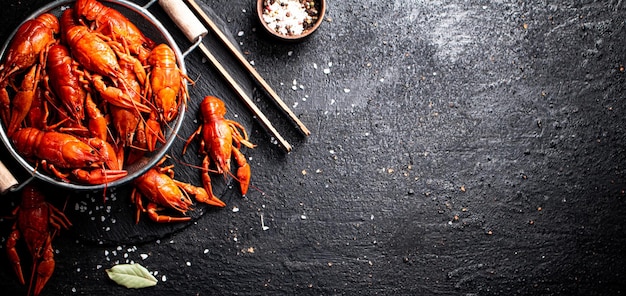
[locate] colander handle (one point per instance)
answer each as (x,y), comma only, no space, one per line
(184,18)
(7,181)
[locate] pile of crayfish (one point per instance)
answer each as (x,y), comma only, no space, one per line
(85,94)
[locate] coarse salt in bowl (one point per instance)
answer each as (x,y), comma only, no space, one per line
(291,20)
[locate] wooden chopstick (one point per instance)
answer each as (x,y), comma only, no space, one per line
(248,67)
(244,95)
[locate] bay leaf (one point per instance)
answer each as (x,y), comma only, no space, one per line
(132,276)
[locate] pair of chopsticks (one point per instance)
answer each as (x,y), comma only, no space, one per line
(198,33)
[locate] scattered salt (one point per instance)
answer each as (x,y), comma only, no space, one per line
(143,256)
(163,278)
(346,90)
(206,251)
(188,263)
(240,33)
(235,209)
(326,71)
(303,217)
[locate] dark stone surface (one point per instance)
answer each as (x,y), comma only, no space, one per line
(457,148)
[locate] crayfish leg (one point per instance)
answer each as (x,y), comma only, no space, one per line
(135,198)
(14,257)
(191,137)
(154,215)
(201,194)
(206,178)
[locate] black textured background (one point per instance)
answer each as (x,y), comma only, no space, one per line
(457,148)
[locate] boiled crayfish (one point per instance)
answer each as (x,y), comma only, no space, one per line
(26,51)
(163,191)
(221,139)
(65,155)
(37,223)
(111,22)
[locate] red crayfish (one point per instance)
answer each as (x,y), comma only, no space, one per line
(221,139)
(37,223)
(112,23)
(60,152)
(163,191)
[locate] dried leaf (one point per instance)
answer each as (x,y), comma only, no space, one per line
(132,276)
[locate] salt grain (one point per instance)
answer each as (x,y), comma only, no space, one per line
(346,90)
(240,33)
(303,217)
(326,71)
(206,251)
(188,263)
(163,278)
(235,209)
(143,256)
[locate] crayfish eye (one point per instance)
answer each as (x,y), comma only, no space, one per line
(182,199)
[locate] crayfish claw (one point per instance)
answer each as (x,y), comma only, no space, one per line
(45,269)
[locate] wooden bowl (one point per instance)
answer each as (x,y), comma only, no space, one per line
(288,28)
